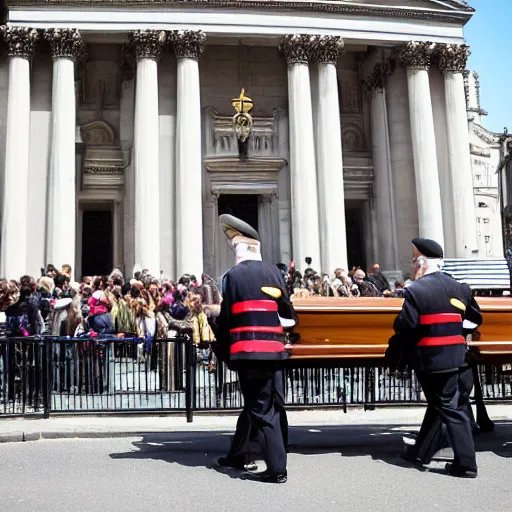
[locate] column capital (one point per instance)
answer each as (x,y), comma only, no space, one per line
(327,49)
(452,57)
(65,43)
(297,48)
(188,44)
(21,41)
(416,55)
(147,44)
(380,74)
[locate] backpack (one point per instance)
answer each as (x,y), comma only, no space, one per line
(18,326)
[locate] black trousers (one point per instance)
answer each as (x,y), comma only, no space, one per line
(263,411)
(447,396)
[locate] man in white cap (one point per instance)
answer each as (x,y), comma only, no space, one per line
(251,339)
(430,338)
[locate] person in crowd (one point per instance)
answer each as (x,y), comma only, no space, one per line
(99,319)
(179,310)
(23,317)
(44,293)
(379,279)
(66,270)
(343,284)
(202,333)
(254,300)
(430,338)
(365,288)
(61,288)
(50,271)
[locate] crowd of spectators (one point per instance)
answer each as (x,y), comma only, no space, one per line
(137,312)
(143,307)
(343,283)
(146,307)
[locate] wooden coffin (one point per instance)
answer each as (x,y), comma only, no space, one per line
(355,331)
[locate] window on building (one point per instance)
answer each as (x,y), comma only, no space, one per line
(486,221)
(487,239)
(482,205)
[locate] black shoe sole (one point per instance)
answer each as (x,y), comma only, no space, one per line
(460,472)
(266,478)
(250,466)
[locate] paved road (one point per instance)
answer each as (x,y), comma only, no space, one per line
(346,467)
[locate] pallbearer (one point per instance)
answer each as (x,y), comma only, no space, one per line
(251,340)
(429,337)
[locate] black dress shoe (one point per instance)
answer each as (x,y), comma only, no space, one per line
(271,478)
(409,455)
(226,462)
(461,471)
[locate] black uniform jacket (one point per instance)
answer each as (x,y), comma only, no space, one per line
(429,334)
(248,326)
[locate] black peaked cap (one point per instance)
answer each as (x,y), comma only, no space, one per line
(427,247)
(230,223)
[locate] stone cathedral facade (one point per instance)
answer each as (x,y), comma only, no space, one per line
(118,148)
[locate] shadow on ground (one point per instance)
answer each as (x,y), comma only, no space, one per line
(384,443)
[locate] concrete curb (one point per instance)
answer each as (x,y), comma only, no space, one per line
(21,437)
(17,430)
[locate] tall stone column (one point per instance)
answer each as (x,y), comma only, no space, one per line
(16,210)
(329,157)
(66,47)
(147,45)
(416,56)
(188,46)
(452,62)
(297,50)
(387,242)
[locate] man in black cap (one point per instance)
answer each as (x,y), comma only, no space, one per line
(430,338)
(251,339)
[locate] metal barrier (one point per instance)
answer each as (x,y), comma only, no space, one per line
(40,376)
(48,374)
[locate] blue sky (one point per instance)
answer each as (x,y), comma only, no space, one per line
(489,34)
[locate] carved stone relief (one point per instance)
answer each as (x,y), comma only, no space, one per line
(65,43)
(453,57)
(352,137)
(220,138)
(98,133)
(21,41)
(416,55)
(104,159)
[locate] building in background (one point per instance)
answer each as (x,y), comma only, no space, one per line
(485,159)
(505,179)
(117,144)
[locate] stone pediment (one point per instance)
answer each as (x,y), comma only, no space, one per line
(450,10)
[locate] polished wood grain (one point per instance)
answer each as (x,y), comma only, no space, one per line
(352,329)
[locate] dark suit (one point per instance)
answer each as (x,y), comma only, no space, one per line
(429,337)
(251,340)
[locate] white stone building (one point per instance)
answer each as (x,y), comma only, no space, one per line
(118,145)
(485,159)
